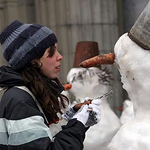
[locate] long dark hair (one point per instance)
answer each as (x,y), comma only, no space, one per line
(49,97)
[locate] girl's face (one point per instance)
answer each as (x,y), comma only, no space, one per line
(51,62)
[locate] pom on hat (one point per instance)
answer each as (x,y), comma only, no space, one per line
(21,43)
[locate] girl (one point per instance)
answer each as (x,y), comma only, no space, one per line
(32,103)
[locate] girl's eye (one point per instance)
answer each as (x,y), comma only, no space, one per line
(52,51)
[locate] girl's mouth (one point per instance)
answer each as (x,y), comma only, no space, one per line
(58,68)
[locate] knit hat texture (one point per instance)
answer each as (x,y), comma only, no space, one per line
(21,43)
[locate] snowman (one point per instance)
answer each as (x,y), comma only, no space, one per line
(93,82)
(132,58)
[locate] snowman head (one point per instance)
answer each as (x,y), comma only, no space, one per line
(133,63)
(91,82)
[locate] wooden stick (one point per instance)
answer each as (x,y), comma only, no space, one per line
(98,60)
(78,106)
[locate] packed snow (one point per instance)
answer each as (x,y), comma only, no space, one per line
(94,82)
(133,62)
(127,113)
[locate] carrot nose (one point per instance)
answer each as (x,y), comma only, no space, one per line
(67,86)
(98,60)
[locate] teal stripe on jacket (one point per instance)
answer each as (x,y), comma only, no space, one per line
(18,132)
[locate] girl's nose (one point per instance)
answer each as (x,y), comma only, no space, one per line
(60,57)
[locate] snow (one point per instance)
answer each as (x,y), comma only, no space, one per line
(94,82)
(127,113)
(133,63)
(88,82)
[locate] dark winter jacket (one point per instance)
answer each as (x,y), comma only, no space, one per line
(23,126)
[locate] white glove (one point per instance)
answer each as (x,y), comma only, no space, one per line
(69,114)
(82,114)
(95,112)
(87,114)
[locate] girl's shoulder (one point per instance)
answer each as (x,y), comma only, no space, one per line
(14,96)
(17,95)
(17,104)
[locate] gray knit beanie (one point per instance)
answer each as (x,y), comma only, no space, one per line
(21,43)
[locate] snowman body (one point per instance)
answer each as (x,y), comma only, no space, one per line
(92,83)
(127,113)
(134,65)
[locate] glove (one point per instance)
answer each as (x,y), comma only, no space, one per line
(69,114)
(94,112)
(82,115)
(87,114)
